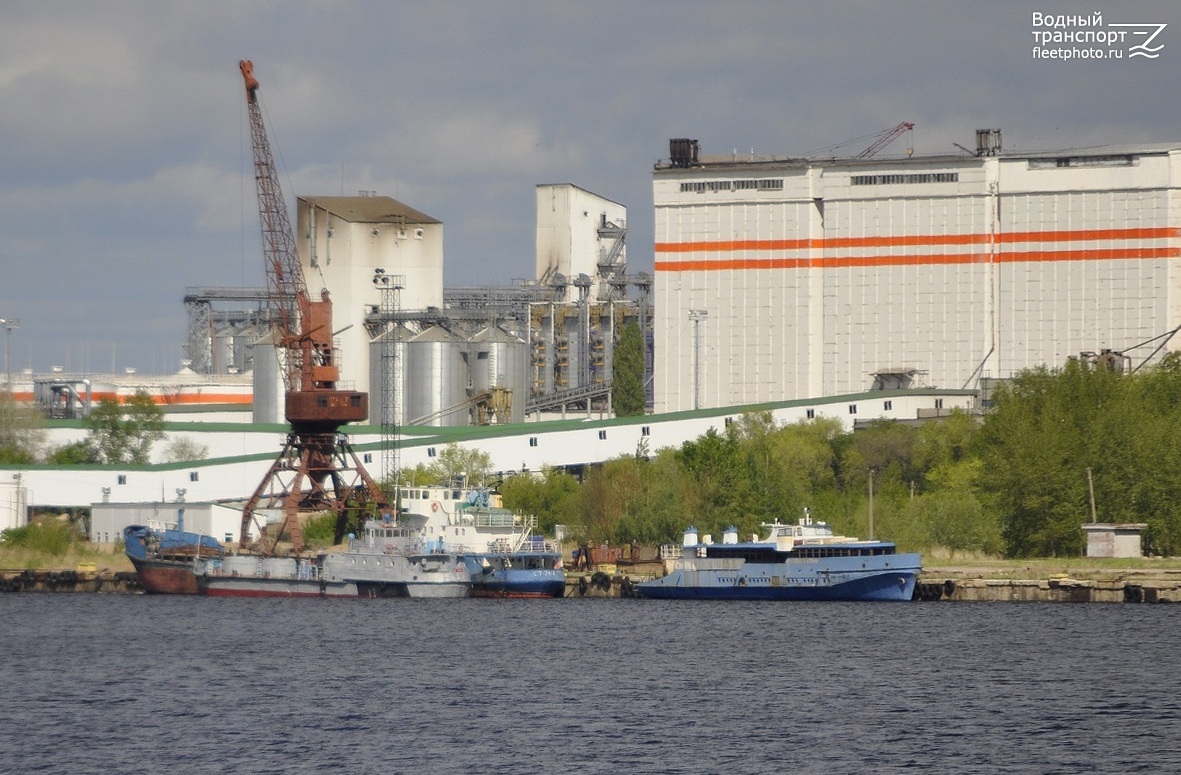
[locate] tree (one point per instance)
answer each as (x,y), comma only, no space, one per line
(76,453)
(125,434)
(715,486)
(1049,428)
(182,449)
(22,431)
(552,497)
(627,376)
(454,462)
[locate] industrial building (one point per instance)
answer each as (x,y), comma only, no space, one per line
(430,355)
(781,278)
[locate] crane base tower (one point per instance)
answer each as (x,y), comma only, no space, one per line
(325,463)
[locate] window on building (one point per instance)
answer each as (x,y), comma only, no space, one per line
(852,408)
(810,414)
(194,476)
(938,403)
(602,435)
(889,406)
(121,479)
(901,180)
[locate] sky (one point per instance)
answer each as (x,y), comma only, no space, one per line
(125,156)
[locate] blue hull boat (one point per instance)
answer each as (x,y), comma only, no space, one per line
(795,562)
(523,574)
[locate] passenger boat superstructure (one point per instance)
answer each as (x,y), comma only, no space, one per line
(804,561)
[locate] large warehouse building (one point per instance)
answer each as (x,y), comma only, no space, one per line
(779,279)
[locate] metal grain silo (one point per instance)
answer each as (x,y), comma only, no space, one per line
(500,360)
(387,368)
(268,383)
(436,379)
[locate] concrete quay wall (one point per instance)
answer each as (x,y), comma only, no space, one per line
(1053,590)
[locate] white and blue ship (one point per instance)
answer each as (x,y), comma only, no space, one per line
(804,561)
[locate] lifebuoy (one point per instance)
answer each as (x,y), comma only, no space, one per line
(435,506)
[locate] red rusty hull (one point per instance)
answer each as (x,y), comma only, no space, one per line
(166,577)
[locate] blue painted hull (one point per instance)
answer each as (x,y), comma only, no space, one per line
(515,580)
(783,582)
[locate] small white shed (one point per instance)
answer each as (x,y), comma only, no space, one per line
(1105,539)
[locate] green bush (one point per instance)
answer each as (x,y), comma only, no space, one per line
(52,538)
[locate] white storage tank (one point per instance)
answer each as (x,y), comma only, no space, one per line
(690,537)
(436,379)
(269,401)
(498,359)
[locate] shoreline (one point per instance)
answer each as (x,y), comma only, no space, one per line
(947,585)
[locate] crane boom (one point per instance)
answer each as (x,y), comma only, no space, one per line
(886,138)
(285,284)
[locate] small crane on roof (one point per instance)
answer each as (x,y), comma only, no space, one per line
(885,138)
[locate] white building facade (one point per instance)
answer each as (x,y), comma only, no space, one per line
(342,241)
(579,233)
(785,279)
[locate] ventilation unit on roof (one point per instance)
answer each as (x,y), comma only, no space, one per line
(682,152)
(988,142)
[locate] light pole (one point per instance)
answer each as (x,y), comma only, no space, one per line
(871,473)
(8,324)
(696,316)
(389,286)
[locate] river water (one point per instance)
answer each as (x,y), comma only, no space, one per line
(141,684)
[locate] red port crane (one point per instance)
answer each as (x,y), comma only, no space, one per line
(316,452)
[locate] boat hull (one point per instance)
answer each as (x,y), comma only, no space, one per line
(166,577)
(772,582)
(256,586)
(521,587)
(429,590)
(523,574)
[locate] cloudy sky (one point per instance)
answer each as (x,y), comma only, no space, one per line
(125,157)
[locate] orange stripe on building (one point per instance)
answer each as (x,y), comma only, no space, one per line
(1079,235)
(945,259)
